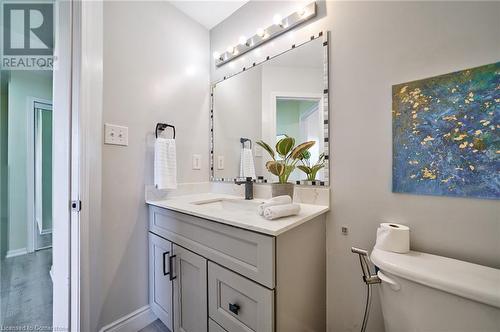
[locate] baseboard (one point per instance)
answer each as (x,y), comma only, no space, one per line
(16,252)
(46,231)
(134,321)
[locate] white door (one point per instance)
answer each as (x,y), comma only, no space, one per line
(190,291)
(160,283)
(62,162)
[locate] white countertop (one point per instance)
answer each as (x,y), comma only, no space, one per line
(245,218)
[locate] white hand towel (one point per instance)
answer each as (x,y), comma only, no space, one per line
(279,211)
(278,200)
(165,167)
(247,166)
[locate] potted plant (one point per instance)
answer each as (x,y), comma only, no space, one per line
(311,171)
(283,162)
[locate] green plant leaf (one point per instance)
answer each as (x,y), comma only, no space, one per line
(299,149)
(284,146)
(317,167)
(275,167)
(266,147)
(304,169)
(305,155)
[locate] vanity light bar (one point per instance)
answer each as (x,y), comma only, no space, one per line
(280,26)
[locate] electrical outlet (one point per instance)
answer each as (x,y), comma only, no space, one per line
(220,162)
(115,135)
(196,161)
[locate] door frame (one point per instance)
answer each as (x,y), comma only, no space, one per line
(78,88)
(30,168)
(61,163)
(86,164)
(292,95)
(269,133)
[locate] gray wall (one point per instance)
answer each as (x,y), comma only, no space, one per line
(373,46)
(156,69)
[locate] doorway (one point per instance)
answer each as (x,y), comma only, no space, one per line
(300,116)
(42,221)
(35,143)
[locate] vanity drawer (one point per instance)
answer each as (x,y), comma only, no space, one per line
(248,253)
(214,327)
(238,304)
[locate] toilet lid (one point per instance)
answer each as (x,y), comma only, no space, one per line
(472,281)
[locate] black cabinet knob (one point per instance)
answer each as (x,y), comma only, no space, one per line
(234,308)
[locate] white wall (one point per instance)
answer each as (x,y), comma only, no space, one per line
(287,82)
(236,114)
(22,85)
(373,46)
(156,69)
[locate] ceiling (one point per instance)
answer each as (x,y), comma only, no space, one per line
(208,13)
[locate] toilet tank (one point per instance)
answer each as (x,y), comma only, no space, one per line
(423,292)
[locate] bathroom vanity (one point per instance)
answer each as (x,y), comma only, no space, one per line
(216,265)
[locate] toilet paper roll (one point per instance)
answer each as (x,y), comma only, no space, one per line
(393,237)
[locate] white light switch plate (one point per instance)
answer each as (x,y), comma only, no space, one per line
(258,151)
(196,161)
(115,135)
(220,162)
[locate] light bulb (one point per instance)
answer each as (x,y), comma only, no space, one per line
(216,55)
(260,32)
(301,11)
(277,20)
(243,40)
(230,49)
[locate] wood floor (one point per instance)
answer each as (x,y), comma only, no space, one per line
(156,326)
(26,291)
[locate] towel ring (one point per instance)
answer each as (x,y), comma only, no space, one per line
(161,127)
(243,140)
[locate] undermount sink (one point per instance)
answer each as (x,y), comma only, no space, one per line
(230,204)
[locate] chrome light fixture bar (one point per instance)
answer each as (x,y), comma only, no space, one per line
(281,25)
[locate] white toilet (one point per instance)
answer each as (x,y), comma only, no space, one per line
(423,292)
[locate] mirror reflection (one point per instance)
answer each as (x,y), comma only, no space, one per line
(282,97)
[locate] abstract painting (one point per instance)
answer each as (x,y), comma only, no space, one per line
(446,134)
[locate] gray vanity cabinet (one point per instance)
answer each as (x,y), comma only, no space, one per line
(229,279)
(160,283)
(190,291)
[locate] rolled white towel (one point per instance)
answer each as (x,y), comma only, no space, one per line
(278,200)
(279,211)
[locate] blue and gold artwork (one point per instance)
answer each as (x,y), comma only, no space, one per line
(446,134)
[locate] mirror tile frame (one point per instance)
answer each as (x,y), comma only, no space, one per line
(324,35)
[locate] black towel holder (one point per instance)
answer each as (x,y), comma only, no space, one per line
(243,140)
(161,127)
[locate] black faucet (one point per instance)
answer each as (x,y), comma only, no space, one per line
(248,187)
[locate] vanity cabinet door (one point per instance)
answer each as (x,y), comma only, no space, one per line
(190,291)
(160,285)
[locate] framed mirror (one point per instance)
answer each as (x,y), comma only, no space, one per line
(285,95)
